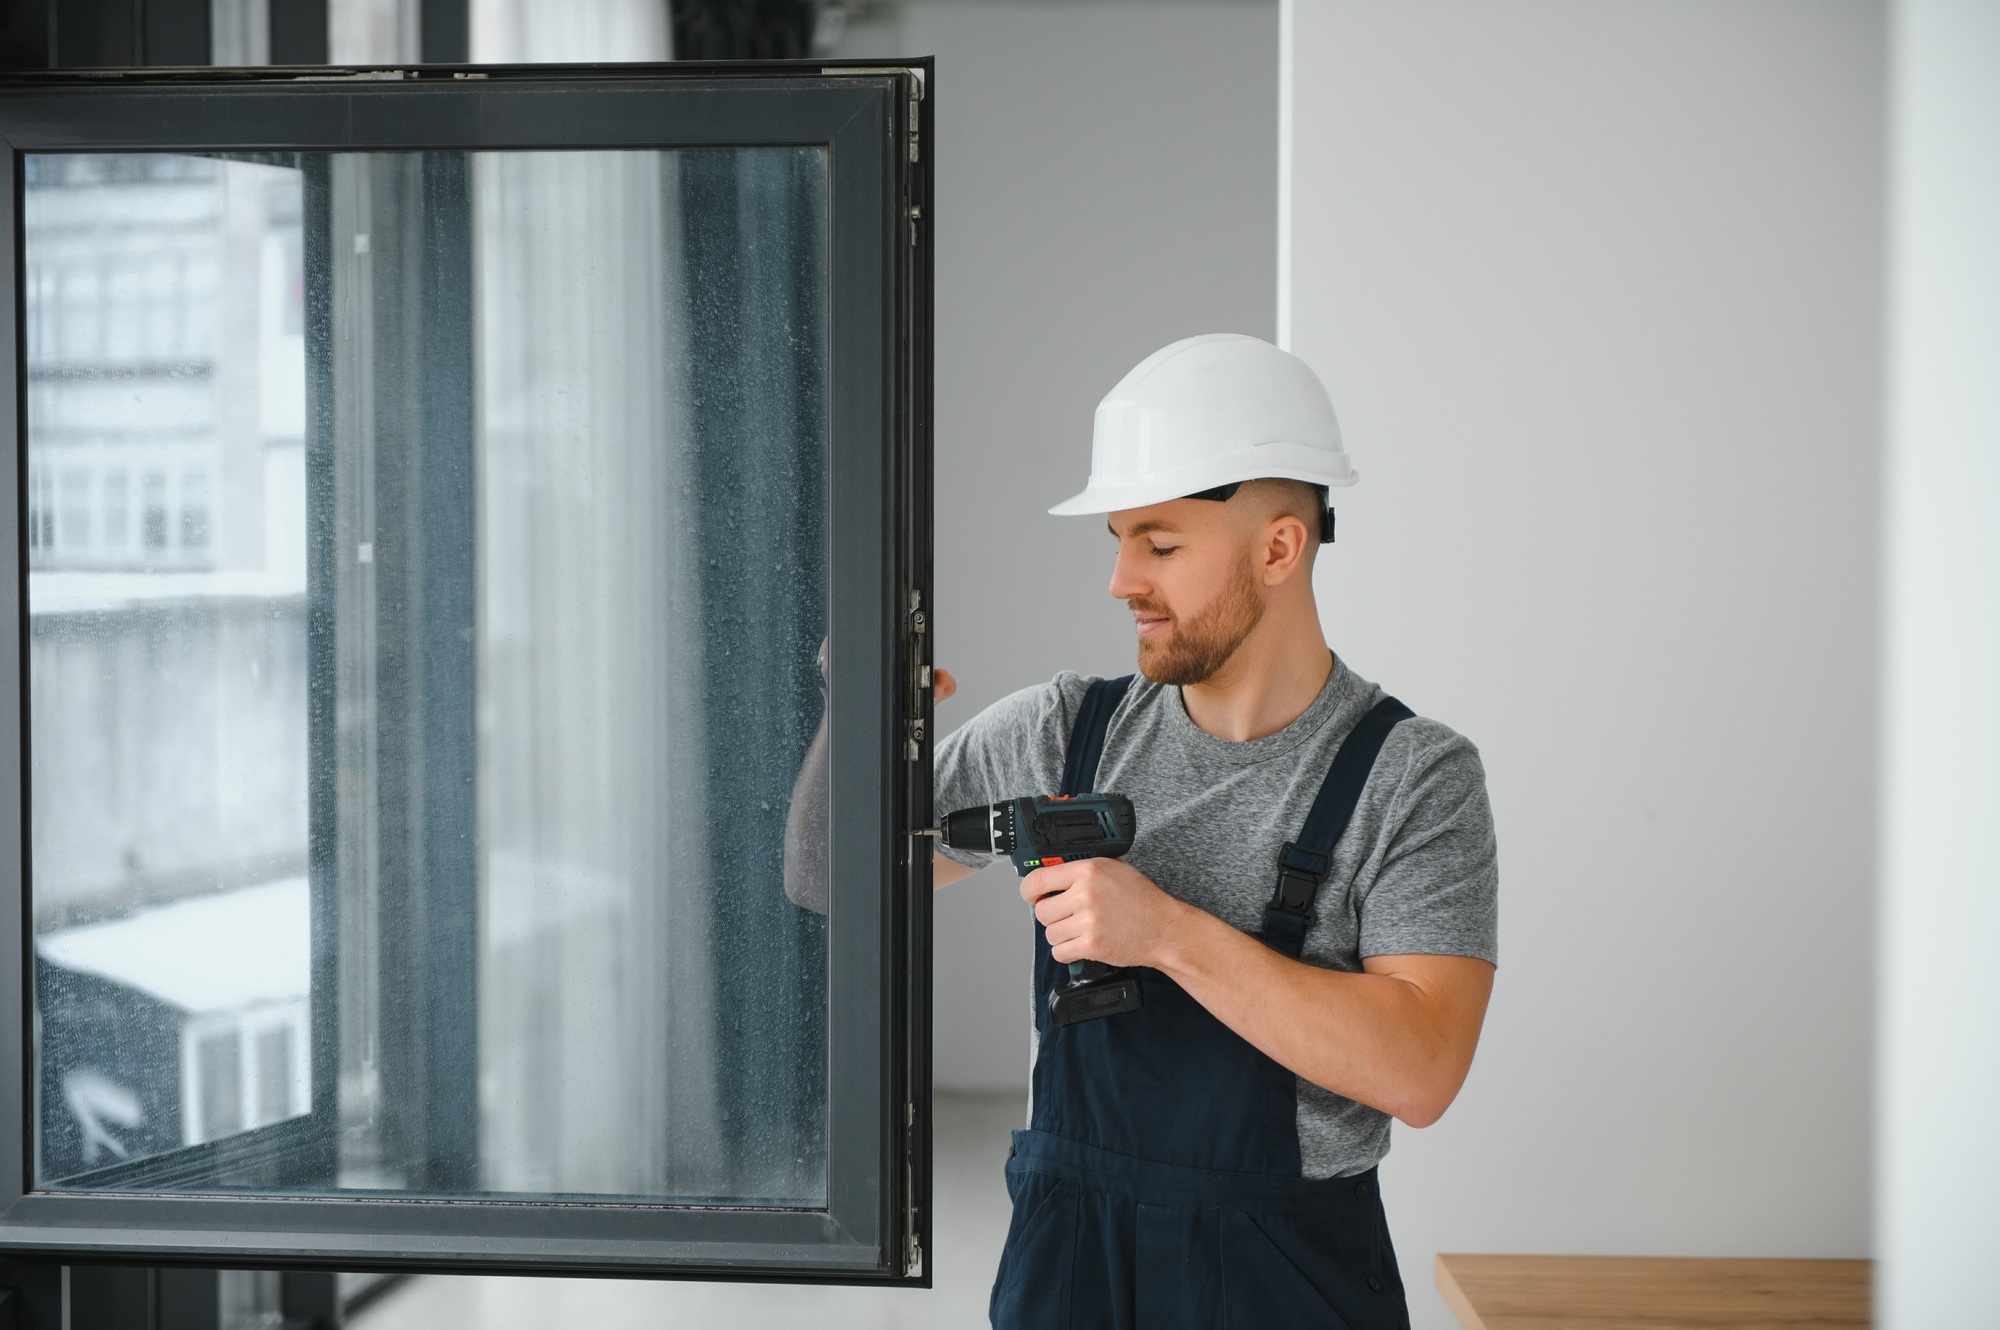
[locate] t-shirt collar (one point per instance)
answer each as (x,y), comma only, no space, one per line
(1341,684)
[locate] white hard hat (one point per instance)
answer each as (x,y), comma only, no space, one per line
(1205,412)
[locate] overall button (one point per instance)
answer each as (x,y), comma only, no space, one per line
(1361,1190)
(1374,1283)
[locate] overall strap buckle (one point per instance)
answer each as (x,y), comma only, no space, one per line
(1300,871)
(1304,863)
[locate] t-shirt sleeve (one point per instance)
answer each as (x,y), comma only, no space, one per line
(1436,890)
(1013,748)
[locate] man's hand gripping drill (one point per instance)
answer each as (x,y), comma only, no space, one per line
(1048,830)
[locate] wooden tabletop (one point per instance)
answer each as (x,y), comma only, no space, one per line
(1653,1293)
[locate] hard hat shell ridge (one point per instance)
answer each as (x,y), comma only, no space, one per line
(1208,411)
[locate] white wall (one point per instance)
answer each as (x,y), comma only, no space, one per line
(1106,184)
(1597,289)
(1938,1221)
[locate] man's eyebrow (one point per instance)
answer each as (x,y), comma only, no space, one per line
(1142,528)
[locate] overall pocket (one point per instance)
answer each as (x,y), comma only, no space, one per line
(1264,1286)
(1308,1270)
(1031,1289)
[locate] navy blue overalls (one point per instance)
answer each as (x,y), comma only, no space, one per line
(1159,1185)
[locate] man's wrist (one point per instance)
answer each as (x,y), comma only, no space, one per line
(1183,940)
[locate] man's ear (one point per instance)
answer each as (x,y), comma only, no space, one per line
(1284,549)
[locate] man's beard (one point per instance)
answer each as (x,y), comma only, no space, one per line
(1195,650)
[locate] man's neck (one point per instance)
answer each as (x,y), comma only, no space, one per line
(1268,683)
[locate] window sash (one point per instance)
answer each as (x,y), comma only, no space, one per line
(879,536)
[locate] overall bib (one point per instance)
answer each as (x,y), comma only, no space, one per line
(1159,1184)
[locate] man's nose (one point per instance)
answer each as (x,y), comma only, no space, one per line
(1125,579)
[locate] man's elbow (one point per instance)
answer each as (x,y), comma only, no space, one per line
(808,893)
(1426,1099)
(807,871)
(1423,1113)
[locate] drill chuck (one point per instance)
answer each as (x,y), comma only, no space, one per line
(987,829)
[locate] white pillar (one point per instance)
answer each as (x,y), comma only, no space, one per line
(1938,1154)
(1287,13)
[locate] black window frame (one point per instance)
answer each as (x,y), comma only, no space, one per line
(873,122)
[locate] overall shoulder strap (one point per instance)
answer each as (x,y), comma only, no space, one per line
(1086,737)
(1303,863)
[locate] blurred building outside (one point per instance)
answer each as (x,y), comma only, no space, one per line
(166,555)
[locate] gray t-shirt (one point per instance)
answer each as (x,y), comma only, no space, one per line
(1414,874)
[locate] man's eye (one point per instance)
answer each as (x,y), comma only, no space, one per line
(1162,551)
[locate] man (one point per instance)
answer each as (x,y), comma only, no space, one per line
(1209,1158)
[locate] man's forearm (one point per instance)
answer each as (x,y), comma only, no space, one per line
(807,869)
(946,871)
(1398,1037)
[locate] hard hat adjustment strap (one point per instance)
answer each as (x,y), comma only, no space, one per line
(1224,493)
(1221,493)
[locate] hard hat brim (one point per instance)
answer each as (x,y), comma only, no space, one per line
(1119,498)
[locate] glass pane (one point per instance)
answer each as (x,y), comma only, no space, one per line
(427,583)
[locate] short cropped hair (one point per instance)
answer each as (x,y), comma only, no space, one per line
(1295,498)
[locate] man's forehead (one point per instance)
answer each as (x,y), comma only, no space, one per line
(1173,515)
(1141,528)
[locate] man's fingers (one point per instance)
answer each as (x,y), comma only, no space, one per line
(942,685)
(1065,942)
(1054,908)
(1047,881)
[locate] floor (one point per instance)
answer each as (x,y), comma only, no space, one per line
(971,1221)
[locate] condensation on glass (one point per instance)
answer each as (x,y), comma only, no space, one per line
(427,587)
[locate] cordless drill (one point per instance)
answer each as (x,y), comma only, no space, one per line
(1057,829)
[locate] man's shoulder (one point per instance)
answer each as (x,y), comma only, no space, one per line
(1043,703)
(1423,756)
(1043,710)
(1427,737)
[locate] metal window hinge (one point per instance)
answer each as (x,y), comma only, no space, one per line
(920,680)
(913,1245)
